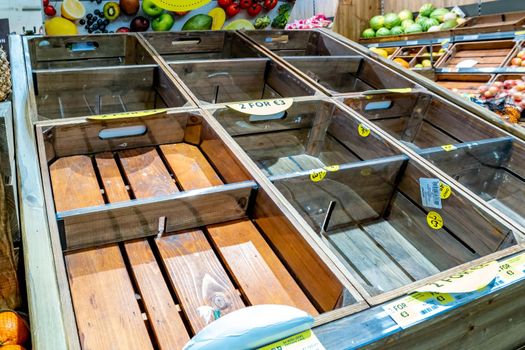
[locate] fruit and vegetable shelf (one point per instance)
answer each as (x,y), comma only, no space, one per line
(169,202)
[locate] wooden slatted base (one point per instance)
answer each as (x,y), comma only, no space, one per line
(150,293)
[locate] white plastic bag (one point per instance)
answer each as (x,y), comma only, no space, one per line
(251,327)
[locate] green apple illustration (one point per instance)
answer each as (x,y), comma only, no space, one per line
(162,23)
(150,8)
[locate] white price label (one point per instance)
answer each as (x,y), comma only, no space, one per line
(262,107)
(430,193)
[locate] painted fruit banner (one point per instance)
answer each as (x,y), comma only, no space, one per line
(71,17)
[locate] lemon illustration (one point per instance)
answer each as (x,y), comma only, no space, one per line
(72,9)
(60,26)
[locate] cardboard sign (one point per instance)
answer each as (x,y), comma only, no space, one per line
(262,107)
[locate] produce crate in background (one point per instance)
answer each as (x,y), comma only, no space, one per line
(462,83)
(494,23)
(488,54)
(270,14)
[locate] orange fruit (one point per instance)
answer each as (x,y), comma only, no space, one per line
(12,347)
(13,329)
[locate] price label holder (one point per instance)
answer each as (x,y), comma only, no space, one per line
(451,292)
(180,5)
(127,115)
(430,193)
(412,43)
(302,341)
(519,35)
(263,110)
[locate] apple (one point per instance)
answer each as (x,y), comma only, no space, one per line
(123,30)
(162,23)
(488,94)
(507,84)
(139,24)
(517,96)
(494,90)
(516,61)
(498,84)
(521,54)
(520,87)
(151,9)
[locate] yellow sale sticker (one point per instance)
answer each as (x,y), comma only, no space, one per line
(126,115)
(434,220)
(400,91)
(302,341)
(262,107)
(363,130)
(445,190)
(332,167)
(449,148)
(180,5)
(317,175)
(466,281)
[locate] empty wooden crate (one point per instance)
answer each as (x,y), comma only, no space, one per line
(484,158)
(483,54)
(162,230)
(362,197)
(327,63)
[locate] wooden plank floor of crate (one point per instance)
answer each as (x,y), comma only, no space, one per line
(147,293)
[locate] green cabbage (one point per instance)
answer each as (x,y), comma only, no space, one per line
(427,23)
(377,22)
(392,20)
(405,14)
(383,32)
(426,9)
(439,14)
(407,23)
(368,33)
(397,30)
(414,28)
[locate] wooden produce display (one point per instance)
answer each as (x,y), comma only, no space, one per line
(513,21)
(164,208)
(361,195)
(462,83)
(487,54)
(480,156)
(184,210)
(326,63)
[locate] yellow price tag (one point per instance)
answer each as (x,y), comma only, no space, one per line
(444,42)
(400,91)
(127,115)
(180,5)
(332,167)
(521,32)
(363,130)
(444,190)
(434,220)
(306,340)
(449,148)
(317,175)
(366,172)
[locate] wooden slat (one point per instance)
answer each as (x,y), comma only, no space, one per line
(403,252)
(253,264)
(108,316)
(197,276)
(74,183)
(146,173)
(367,258)
(255,267)
(162,312)
(107,313)
(190,167)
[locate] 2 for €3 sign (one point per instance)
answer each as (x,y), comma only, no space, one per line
(180,5)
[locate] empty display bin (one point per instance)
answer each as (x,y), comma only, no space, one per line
(355,191)
(80,76)
(160,225)
(484,158)
(219,81)
(180,46)
(327,63)
(86,51)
